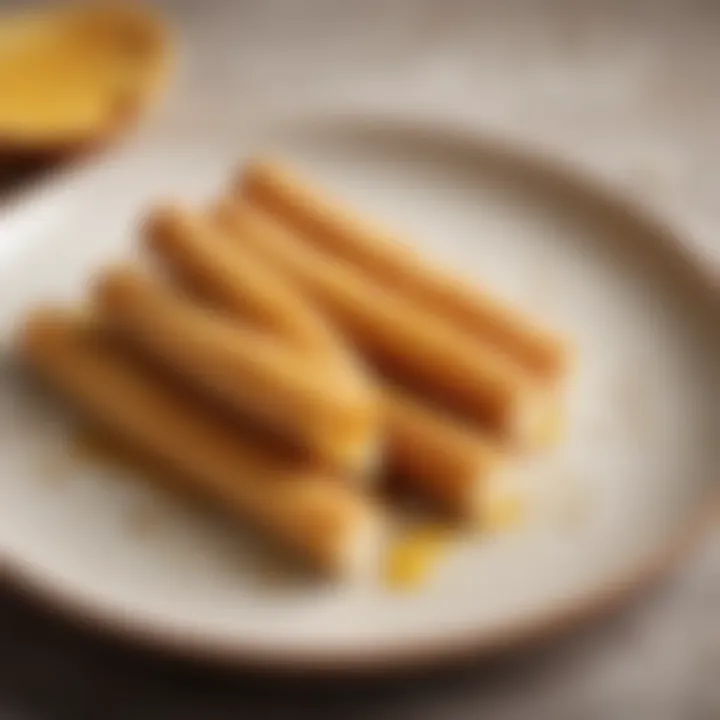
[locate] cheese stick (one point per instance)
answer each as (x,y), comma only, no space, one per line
(440,458)
(319,520)
(411,346)
(244,368)
(186,242)
(335,229)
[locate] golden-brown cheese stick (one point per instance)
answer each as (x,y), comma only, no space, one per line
(318,519)
(187,244)
(244,368)
(335,229)
(411,346)
(439,458)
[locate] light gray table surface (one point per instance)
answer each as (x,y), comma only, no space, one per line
(628,89)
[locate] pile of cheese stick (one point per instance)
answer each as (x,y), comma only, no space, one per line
(284,359)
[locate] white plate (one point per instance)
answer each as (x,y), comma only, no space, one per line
(608,507)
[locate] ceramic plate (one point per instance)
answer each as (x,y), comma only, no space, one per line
(609,508)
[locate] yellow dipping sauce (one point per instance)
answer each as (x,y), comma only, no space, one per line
(68,73)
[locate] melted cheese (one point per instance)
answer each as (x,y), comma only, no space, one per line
(414,556)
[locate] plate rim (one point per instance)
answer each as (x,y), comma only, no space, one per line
(78,607)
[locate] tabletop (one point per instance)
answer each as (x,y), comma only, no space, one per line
(628,89)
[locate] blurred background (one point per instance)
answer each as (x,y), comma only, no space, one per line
(628,88)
